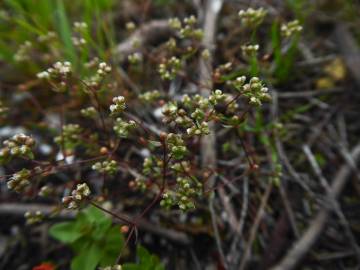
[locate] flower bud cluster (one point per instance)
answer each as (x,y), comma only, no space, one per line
(71,136)
(222,70)
(80,26)
(19,181)
(216,97)
(135,58)
(255,91)
(182,167)
(176,145)
(249,50)
(23,52)
(171,44)
(77,197)
(122,128)
(58,70)
(118,105)
(139,184)
(191,117)
(45,191)
(89,112)
(58,74)
(169,68)
(106,167)
(49,36)
(92,63)
(186,191)
(19,145)
(252,17)
(175,23)
(239,82)
(187,28)
(33,217)
(103,69)
(78,41)
(152,167)
(291,28)
(130,26)
(150,96)
(197,130)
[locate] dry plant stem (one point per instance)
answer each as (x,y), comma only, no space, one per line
(278,144)
(19,209)
(255,226)
(153,202)
(147,33)
(349,49)
(244,210)
(121,218)
(208,143)
(343,221)
(226,202)
(96,103)
(216,231)
(316,226)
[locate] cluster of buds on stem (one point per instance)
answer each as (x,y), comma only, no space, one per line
(23,52)
(19,145)
(58,75)
(150,96)
(152,167)
(252,17)
(95,81)
(176,145)
(135,58)
(77,197)
(33,217)
(249,50)
(106,167)
(103,69)
(118,105)
(122,128)
(19,181)
(89,112)
(184,195)
(291,28)
(79,28)
(70,137)
(45,191)
(186,28)
(169,68)
(47,37)
(255,90)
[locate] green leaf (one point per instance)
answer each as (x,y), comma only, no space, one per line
(146,261)
(66,232)
(91,237)
(63,26)
(95,215)
(88,259)
(114,242)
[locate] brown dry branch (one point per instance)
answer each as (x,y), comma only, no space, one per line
(208,143)
(19,209)
(301,247)
(147,34)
